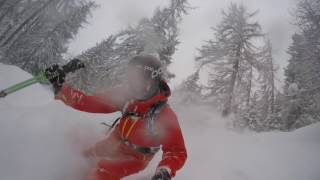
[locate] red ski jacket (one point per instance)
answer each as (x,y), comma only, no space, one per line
(133,128)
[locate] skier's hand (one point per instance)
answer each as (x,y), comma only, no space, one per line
(56,75)
(162,174)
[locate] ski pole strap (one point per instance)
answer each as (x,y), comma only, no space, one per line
(110,127)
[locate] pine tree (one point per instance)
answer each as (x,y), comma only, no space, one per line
(191,83)
(267,79)
(190,90)
(302,74)
(43,29)
(31,16)
(107,61)
(263,113)
(232,55)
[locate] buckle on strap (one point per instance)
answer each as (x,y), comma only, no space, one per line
(143,150)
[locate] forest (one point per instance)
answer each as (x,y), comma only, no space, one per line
(241,80)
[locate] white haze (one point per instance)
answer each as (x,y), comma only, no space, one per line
(41,138)
(115,15)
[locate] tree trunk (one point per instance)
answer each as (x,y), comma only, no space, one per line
(21,26)
(29,57)
(272,86)
(3,35)
(10,9)
(3,2)
(49,34)
(228,105)
(250,86)
(15,40)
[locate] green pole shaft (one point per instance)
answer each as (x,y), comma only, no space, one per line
(67,68)
(40,78)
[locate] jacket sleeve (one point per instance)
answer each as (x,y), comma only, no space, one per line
(173,146)
(99,103)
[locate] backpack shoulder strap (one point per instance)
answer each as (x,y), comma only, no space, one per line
(153,116)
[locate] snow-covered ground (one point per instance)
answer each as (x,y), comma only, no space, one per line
(41,138)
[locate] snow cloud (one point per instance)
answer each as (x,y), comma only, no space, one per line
(43,139)
(115,15)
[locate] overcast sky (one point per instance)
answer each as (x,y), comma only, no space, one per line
(115,15)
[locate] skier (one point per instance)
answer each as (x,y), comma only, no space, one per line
(147,125)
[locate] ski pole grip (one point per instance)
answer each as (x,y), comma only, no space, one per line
(73,65)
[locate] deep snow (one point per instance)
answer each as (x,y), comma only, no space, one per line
(41,138)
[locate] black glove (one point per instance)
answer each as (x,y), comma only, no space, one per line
(162,174)
(56,75)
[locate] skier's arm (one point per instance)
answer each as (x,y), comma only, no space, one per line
(98,103)
(173,147)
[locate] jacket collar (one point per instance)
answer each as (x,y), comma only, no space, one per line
(141,108)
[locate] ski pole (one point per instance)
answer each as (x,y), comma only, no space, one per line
(39,78)
(69,67)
